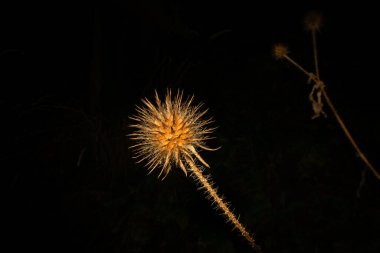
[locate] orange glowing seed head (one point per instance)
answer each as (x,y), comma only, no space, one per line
(170,131)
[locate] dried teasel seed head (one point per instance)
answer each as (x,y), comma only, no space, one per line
(170,132)
(280,50)
(313,21)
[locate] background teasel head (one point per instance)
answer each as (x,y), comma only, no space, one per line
(280,51)
(313,21)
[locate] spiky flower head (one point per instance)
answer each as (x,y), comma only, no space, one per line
(280,50)
(170,132)
(313,21)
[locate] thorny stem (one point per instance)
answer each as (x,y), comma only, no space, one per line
(337,116)
(230,216)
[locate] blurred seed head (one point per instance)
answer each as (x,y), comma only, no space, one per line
(280,50)
(313,21)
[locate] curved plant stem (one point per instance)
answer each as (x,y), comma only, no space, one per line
(337,116)
(212,192)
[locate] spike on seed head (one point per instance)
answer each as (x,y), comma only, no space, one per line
(313,21)
(169,132)
(280,50)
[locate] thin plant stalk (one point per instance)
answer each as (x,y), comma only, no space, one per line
(314,36)
(347,133)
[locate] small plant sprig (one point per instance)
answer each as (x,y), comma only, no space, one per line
(313,22)
(170,133)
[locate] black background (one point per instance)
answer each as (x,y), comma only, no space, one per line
(72,73)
